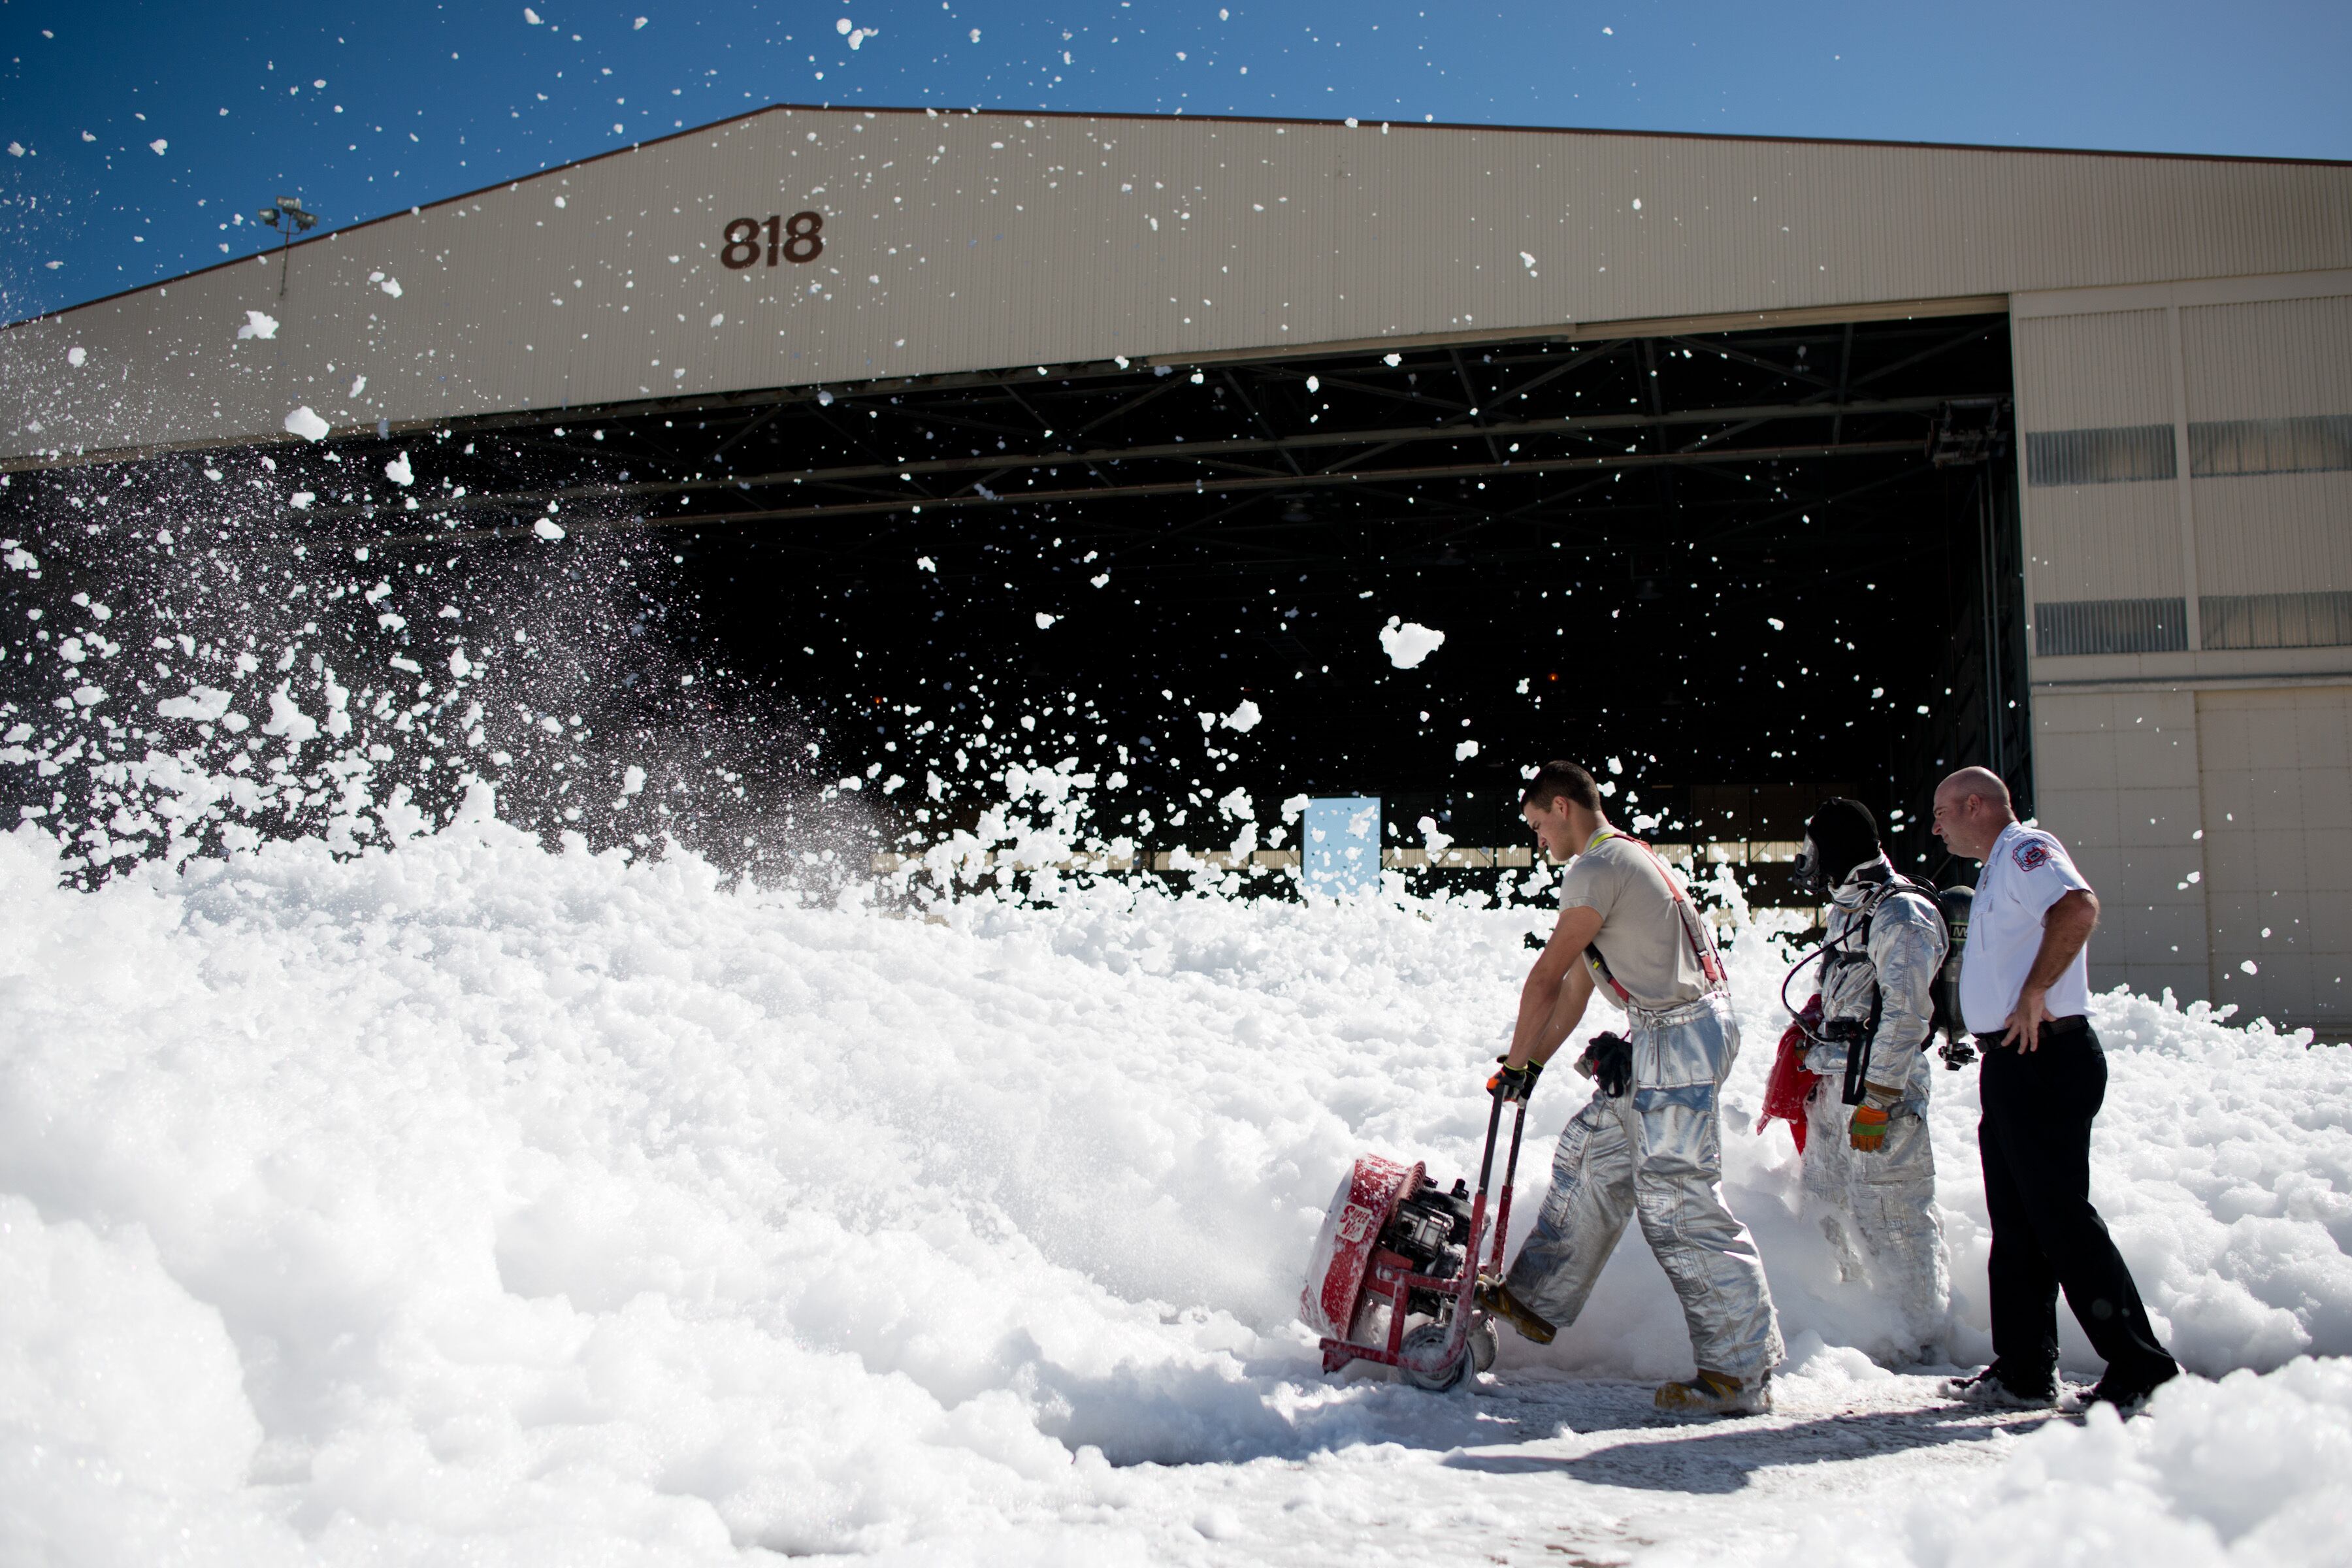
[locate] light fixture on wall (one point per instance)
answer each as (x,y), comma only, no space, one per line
(287,217)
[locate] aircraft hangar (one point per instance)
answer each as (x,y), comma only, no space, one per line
(1771,467)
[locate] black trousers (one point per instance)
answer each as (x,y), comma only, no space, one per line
(2035,1143)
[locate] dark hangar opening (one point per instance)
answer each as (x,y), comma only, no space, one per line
(1739,562)
(1755,567)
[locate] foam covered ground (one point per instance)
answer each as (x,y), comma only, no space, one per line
(465,1200)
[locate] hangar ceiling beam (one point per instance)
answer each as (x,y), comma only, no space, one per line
(1797,509)
(1550,373)
(749,426)
(1845,377)
(1943,346)
(1724,351)
(1158,389)
(1257,417)
(1199,486)
(992,467)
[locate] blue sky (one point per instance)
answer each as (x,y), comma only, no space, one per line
(137,134)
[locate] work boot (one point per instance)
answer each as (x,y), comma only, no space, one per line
(1716,1393)
(1494,1298)
(1991,1390)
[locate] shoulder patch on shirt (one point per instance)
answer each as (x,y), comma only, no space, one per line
(2031,854)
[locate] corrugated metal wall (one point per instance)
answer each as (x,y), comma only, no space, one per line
(970,242)
(2188,468)
(2278,850)
(2095,400)
(2189,530)
(2099,368)
(2269,388)
(2114,775)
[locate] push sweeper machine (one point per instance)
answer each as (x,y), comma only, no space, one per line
(1394,1269)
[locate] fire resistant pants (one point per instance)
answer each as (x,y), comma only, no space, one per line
(2035,1142)
(1878,1211)
(1657,1153)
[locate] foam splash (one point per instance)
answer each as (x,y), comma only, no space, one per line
(489,1193)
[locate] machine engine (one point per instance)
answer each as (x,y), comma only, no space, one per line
(1431,1230)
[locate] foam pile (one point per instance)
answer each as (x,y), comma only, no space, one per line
(463,1198)
(2250,1469)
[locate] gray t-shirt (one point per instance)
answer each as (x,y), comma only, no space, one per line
(1642,939)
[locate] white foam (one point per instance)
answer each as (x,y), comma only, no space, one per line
(467,1198)
(1407,643)
(2247,1471)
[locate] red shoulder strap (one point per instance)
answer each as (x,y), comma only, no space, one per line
(1695,932)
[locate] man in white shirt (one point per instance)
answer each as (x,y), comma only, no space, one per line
(2025,995)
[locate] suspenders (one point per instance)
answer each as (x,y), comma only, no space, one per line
(1695,932)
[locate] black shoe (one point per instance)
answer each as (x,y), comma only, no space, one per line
(1992,1390)
(2128,1394)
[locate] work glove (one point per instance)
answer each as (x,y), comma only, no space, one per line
(1513,1083)
(1609,1062)
(1867,1129)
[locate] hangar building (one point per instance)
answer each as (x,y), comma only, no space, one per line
(1688,442)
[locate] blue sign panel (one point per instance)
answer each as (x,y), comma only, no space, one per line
(1340,845)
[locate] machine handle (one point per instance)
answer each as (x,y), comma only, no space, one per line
(1510,1171)
(1494,1124)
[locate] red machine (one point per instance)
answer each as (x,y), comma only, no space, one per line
(1394,1269)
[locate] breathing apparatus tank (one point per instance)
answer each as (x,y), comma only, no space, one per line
(1954,904)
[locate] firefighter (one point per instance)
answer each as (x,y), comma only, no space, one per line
(2025,992)
(1650,1143)
(1869,1166)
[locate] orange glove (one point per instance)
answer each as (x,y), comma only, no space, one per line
(1867,1131)
(1513,1083)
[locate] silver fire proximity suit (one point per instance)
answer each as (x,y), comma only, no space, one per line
(1656,1154)
(1885,947)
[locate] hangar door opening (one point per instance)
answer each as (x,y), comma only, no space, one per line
(1736,572)
(1754,568)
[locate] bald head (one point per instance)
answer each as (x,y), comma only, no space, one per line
(1973,807)
(1981,782)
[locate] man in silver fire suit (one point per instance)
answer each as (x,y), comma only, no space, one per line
(1869,1168)
(1650,1143)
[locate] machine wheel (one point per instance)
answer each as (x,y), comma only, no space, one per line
(1482,1344)
(1421,1365)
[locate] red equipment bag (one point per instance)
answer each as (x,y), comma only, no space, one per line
(1790,1085)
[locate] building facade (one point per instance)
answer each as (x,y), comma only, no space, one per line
(2180,332)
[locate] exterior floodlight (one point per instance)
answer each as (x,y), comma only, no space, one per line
(288,218)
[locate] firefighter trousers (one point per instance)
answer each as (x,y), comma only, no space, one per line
(1656,1155)
(1878,1212)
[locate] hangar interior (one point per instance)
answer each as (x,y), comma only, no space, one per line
(1607,531)
(1743,564)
